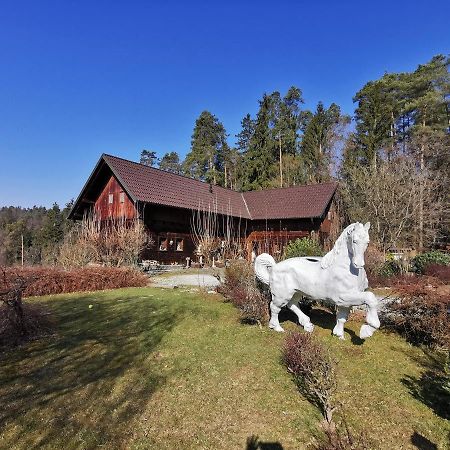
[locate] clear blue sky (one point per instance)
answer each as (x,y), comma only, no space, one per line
(81,78)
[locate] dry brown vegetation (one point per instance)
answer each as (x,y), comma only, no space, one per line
(18,321)
(420,312)
(115,243)
(313,369)
(52,280)
(241,289)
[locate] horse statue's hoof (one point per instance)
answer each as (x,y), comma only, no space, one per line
(366,331)
(309,327)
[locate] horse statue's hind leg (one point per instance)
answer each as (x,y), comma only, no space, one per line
(341,318)
(275,307)
(274,323)
(369,299)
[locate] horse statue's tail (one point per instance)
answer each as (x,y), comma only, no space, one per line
(263,266)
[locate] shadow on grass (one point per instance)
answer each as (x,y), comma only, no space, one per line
(432,387)
(321,317)
(421,442)
(253,443)
(83,387)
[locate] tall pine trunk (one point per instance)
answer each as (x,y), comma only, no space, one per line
(421,187)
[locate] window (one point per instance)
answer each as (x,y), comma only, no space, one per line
(162,244)
(179,244)
(122,197)
(110,198)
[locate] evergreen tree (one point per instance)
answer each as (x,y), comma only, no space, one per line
(170,162)
(399,116)
(259,163)
(245,135)
(208,149)
(320,135)
(373,122)
(51,233)
(273,136)
(148,158)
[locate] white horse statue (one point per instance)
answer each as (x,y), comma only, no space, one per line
(339,277)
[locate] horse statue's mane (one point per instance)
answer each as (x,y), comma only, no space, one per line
(341,243)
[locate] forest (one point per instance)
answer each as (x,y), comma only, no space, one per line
(391,158)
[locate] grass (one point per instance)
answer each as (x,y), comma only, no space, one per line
(164,369)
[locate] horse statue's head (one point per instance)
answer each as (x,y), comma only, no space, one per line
(357,242)
(354,239)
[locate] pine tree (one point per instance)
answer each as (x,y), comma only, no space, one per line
(320,135)
(245,135)
(259,163)
(208,148)
(170,162)
(274,135)
(148,158)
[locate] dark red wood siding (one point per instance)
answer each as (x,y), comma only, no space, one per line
(106,210)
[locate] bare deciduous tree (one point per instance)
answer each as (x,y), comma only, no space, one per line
(115,242)
(217,233)
(389,196)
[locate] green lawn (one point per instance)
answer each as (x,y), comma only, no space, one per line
(168,369)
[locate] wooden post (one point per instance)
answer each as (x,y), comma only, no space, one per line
(22,249)
(281,164)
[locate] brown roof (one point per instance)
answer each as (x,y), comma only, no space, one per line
(292,202)
(150,185)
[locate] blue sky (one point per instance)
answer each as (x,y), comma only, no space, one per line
(81,78)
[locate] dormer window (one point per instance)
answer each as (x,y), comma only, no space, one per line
(110,199)
(122,197)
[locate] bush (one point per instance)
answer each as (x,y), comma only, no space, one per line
(240,288)
(303,247)
(53,280)
(18,321)
(342,438)
(438,271)
(313,369)
(420,262)
(420,314)
(389,269)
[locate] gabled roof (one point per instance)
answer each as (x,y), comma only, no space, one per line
(150,185)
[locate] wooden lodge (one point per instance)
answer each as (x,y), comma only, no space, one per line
(168,204)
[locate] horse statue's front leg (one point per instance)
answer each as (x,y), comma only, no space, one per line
(368,298)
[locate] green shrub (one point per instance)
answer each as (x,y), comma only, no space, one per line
(420,262)
(303,247)
(389,269)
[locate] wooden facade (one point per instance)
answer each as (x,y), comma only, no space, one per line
(121,189)
(114,202)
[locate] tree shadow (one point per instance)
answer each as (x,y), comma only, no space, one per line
(89,380)
(432,387)
(421,442)
(253,443)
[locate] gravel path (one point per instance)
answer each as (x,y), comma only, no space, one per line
(198,280)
